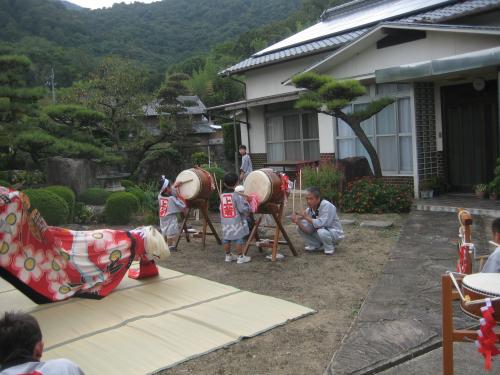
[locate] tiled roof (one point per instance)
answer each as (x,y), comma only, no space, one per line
(459,9)
(331,42)
(290,53)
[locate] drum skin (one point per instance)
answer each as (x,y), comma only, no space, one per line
(266,184)
(199,188)
(479,286)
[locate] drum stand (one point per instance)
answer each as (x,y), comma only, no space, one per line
(202,205)
(450,334)
(276,211)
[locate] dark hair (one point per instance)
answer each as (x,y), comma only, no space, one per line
(162,179)
(314,191)
(231,179)
(242,147)
(495,226)
(19,333)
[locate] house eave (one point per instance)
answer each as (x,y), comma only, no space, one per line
(440,67)
(377,32)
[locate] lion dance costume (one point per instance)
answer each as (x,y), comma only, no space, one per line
(51,264)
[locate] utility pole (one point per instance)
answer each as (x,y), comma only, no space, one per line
(52,85)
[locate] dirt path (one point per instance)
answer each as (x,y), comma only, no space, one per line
(335,286)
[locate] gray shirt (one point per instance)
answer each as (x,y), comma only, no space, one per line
(170,205)
(326,217)
(52,367)
(492,265)
(246,164)
(233,211)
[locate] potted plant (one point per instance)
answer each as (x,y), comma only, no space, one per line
(437,185)
(480,190)
(426,190)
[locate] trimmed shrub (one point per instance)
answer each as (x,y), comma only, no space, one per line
(367,195)
(94,196)
(4,183)
(199,158)
(139,194)
(326,178)
(120,207)
(52,207)
(65,193)
(128,183)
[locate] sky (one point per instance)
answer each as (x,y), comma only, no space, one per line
(95,4)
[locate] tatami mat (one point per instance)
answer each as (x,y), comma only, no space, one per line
(146,326)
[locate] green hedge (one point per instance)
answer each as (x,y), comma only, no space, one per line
(65,193)
(94,196)
(120,207)
(4,183)
(53,208)
(368,195)
(139,194)
(326,178)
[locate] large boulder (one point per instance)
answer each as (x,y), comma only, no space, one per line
(353,168)
(78,174)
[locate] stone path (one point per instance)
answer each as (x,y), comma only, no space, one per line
(401,317)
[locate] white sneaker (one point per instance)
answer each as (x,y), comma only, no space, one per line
(243,259)
(330,252)
(231,257)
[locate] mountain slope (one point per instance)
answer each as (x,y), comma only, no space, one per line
(156,34)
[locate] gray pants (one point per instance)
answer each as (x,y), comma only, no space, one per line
(326,238)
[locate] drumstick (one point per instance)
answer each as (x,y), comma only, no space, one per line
(494,243)
(183,182)
(300,187)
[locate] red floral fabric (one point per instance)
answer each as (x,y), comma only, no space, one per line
(52,264)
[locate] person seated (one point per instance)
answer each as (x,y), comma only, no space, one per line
(21,349)
(50,264)
(318,224)
(492,265)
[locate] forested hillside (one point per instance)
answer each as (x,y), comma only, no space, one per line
(154,35)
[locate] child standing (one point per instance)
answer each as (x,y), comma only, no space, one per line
(170,204)
(233,211)
(246,163)
(492,265)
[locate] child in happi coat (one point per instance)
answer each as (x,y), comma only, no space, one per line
(233,212)
(170,205)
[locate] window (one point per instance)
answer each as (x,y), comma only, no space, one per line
(292,136)
(389,132)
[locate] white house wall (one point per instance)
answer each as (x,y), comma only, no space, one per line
(257,130)
(326,136)
(435,45)
(267,81)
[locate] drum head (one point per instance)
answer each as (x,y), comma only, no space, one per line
(192,186)
(258,182)
(486,283)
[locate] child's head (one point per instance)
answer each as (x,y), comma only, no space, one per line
(165,185)
(495,229)
(20,337)
(242,149)
(231,179)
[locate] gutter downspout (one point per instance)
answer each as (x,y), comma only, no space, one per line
(246,109)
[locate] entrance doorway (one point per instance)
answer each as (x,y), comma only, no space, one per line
(470,134)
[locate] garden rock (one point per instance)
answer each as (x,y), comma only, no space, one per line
(78,174)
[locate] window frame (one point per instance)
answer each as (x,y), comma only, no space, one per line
(283,114)
(397,133)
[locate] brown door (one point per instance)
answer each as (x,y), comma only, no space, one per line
(470,134)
